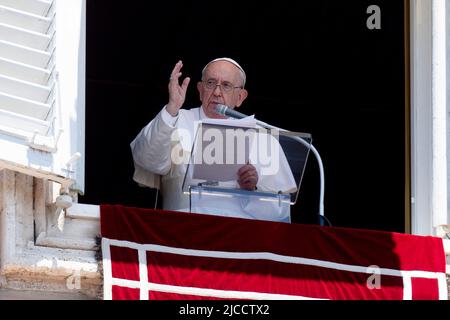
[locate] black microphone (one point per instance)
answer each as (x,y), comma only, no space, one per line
(227,111)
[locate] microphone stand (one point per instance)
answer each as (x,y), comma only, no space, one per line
(319,161)
(225,110)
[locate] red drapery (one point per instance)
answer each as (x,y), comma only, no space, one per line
(154,254)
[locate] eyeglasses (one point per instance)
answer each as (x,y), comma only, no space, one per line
(224,86)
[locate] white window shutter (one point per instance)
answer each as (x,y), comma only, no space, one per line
(42,61)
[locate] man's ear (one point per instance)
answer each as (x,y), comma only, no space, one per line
(200,91)
(242,96)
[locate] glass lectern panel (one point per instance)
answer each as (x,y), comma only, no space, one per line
(211,179)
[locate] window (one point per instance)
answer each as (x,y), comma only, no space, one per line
(42,72)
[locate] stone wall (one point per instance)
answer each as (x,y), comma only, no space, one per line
(41,249)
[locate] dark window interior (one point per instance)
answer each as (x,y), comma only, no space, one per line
(312,66)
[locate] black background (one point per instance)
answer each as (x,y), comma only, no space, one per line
(311,67)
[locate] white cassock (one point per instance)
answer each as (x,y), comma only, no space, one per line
(153,151)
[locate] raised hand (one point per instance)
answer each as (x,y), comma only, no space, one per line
(177,93)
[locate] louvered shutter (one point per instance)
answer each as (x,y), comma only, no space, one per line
(42,60)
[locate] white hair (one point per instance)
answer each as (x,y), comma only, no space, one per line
(241,71)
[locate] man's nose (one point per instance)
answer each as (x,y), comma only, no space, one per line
(217,90)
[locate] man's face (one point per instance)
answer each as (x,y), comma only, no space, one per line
(218,77)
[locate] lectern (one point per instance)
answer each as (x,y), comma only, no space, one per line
(219,150)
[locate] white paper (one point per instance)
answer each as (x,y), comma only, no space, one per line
(232,158)
(247,122)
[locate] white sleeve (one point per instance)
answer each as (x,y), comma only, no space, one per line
(274,171)
(151,149)
(168,118)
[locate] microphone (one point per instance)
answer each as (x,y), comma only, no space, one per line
(227,111)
